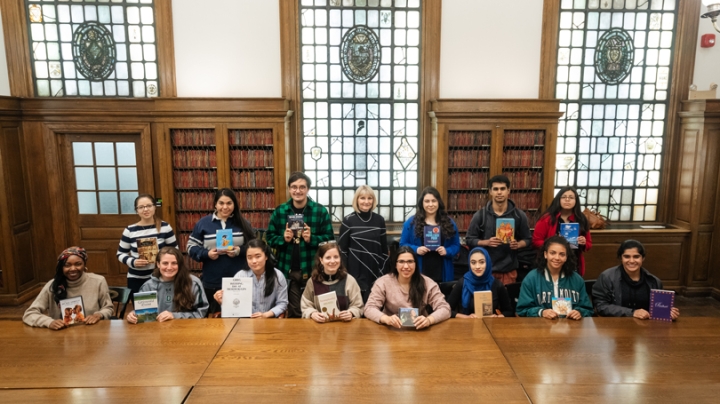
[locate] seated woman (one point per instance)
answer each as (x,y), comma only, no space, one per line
(329,274)
(555,277)
(71,280)
(273,300)
(405,287)
(479,278)
(624,290)
(179,294)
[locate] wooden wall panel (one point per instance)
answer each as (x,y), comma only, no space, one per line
(687,170)
(15,185)
(700,270)
(25,246)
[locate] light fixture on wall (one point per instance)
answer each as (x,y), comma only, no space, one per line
(713,10)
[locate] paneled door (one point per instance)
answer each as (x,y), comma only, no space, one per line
(103,174)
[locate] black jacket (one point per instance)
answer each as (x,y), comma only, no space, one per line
(607,292)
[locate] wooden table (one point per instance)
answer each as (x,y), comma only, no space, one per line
(305,362)
(613,359)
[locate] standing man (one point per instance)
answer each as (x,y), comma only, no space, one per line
(295,251)
(482,230)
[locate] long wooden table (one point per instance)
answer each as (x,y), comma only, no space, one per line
(493,360)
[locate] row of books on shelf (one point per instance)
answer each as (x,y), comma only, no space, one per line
(251,158)
(256,199)
(523,158)
(194,201)
(252,179)
(468,180)
(195,179)
(469,158)
(467,201)
(192,137)
(469,138)
(194,158)
(527,200)
(524,138)
(249,137)
(524,179)
(185,221)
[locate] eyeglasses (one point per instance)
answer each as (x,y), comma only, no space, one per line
(326,242)
(403,263)
(144,207)
(298,188)
(568,198)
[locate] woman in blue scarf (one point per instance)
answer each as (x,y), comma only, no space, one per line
(479,278)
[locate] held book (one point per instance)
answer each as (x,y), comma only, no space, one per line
(328,306)
(661,303)
(237,297)
(148,248)
(562,305)
(571,232)
(432,237)
(483,303)
(296,224)
(73,310)
(505,230)
(408,316)
(224,240)
(146,306)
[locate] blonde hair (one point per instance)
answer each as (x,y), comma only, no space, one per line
(364,190)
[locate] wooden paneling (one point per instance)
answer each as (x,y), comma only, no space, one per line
(166,48)
(687,170)
(25,245)
(16,48)
(15,186)
(548,50)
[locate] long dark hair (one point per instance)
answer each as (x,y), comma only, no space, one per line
(270,275)
(60,284)
(555,208)
(568,267)
(318,272)
(183,299)
(417,283)
(237,219)
(158,222)
(447,229)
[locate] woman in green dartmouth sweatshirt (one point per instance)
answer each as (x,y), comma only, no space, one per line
(555,277)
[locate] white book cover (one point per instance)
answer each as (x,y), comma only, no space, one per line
(72,310)
(483,303)
(146,306)
(237,297)
(328,305)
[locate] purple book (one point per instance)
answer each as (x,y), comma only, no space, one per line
(661,302)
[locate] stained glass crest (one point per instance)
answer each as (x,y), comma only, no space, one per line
(360,50)
(94,51)
(614,56)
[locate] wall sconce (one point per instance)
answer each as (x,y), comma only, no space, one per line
(713,10)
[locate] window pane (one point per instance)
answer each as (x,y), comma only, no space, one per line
(104,154)
(106,179)
(87,203)
(127,200)
(125,153)
(127,177)
(108,203)
(82,154)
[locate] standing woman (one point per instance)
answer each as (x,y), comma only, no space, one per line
(565,208)
(555,276)
(430,211)
(479,278)
(71,280)
(270,289)
(329,275)
(405,287)
(363,241)
(202,245)
(149,226)
(179,294)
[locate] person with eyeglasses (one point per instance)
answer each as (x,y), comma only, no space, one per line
(295,252)
(406,287)
(149,227)
(363,240)
(565,208)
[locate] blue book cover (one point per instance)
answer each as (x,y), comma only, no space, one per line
(146,306)
(224,240)
(432,237)
(571,232)
(505,230)
(661,302)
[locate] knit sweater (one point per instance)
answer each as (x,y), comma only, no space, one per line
(387,297)
(166,293)
(363,245)
(127,251)
(93,289)
(310,305)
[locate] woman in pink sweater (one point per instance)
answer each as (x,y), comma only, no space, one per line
(406,287)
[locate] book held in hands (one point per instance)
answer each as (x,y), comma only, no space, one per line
(661,304)
(432,237)
(296,224)
(73,310)
(571,232)
(224,240)
(562,305)
(483,303)
(146,306)
(237,297)
(328,306)
(505,230)
(408,316)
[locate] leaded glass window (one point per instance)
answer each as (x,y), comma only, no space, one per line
(360,69)
(613,70)
(93,48)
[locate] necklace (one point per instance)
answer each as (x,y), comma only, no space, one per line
(359,215)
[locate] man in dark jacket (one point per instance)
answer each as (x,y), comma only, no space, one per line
(483,232)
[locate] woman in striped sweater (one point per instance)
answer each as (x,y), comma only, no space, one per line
(149,229)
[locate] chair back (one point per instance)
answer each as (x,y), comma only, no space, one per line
(513,290)
(446,288)
(120,300)
(588,288)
